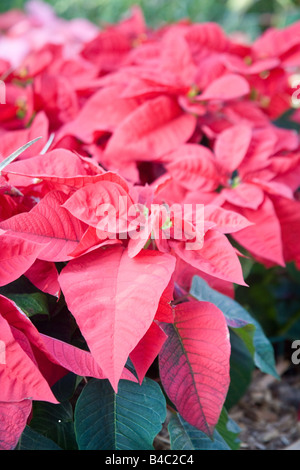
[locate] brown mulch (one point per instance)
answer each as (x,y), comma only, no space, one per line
(268,415)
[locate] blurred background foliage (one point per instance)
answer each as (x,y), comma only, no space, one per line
(248,16)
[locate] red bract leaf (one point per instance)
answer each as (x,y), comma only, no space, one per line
(287,139)
(91,241)
(194,363)
(244,195)
(76,360)
(283,164)
(226,221)
(103,205)
(193,167)
(176,59)
(58,162)
(44,275)
(19,374)
(50,224)
(139,239)
(231,146)
(139,87)
(147,350)
(13,419)
(275,188)
(16,257)
(238,65)
(227,87)
(246,110)
(288,213)
(56,97)
(165,311)
(9,205)
(4,186)
(208,36)
(291,176)
(114,299)
(30,340)
(12,140)
(133,25)
(263,239)
(59,166)
(261,147)
(152,130)
(185,273)
(217,257)
(107,50)
(103,112)
(276,42)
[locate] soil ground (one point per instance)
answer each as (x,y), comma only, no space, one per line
(269,414)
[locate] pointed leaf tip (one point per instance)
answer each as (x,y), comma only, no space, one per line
(15,154)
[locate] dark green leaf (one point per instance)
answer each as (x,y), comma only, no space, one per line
(183,436)
(229,430)
(31,304)
(64,388)
(241,369)
(32,440)
(128,420)
(55,422)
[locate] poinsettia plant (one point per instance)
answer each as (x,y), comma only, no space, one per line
(140,169)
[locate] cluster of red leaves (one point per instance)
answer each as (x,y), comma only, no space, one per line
(182,114)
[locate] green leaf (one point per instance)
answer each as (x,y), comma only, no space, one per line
(128,420)
(55,422)
(31,304)
(15,154)
(285,121)
(247,265)
(229,430)
(184,436)
(32,440)
(241,369)
(237,317)
(246,333)
(64,388)
(293,272)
